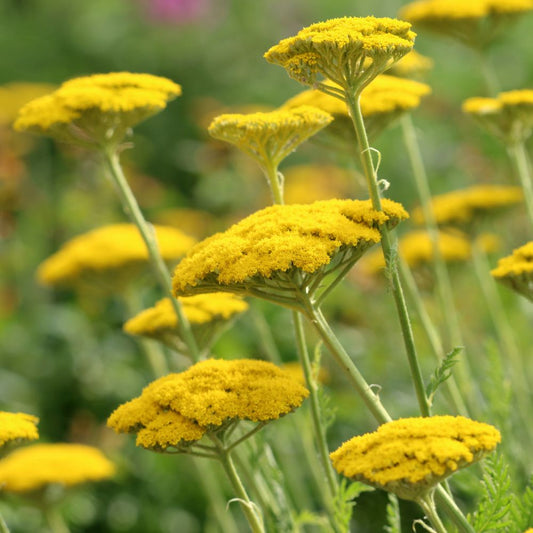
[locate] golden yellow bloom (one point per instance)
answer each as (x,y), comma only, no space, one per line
(14,95)
(412,65)
(34,467)
(271,136)
(17,426)
(509,116)
(463,207)
(99,109)
(284,248)
(349,51)
(410,456)
(108,255)
(516,270)
(178,409)
(475,23)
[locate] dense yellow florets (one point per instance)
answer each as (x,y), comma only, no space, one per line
(350,51)
(516,270)
(179,409)
(17,426)
(410,456)
(38,465)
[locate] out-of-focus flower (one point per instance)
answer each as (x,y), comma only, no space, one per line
(412,65)
(516,270)
(14,95)
(16,427)
(177,11)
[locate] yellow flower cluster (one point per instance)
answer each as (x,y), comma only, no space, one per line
(410,456)
(97,109)
(178,409)
(349,51)
(412,65)
(17,426)
(14,95)
(516,270)
(270,137)
(282,240)
(111,251)
(508,116)
(34,467)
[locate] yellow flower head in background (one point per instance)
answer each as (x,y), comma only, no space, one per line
(16,427)
(178,409)
(208,314)
(284,249)
(410,456)
(36,466)
(475,23)
(14,95)
(109,256)
(349,51)
(269,137)
(412,65)
(516,270)
(509,116)
(97,110)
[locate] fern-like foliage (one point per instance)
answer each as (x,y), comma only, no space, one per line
(394,524)
(345,501)
(521,512)
(442,373)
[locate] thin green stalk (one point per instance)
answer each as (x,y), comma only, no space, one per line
(273,177)
(428,505)
(519,159)
(492,83)
(454,513)
(265,335)
(354,108)
(55,520)
(131,207)
(3,525)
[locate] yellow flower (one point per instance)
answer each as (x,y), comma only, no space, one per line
(99,109)
(475,23)
(284,249)
(208,314)
(34,467)
(295,370)
(410,456)
(17,426)
(111,256)
(412,65)
(516,270)
(349,51)
(178,409)
(509,116)
(271,136)
(14,95)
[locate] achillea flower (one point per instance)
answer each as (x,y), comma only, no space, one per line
(278,252)
(14,95)
(97,110)
(110,256)
(208,315)
(412,65)
(516,270)
(36,466)
(410,456)
(349,51)
(475,23)
(16,427)
(271,136)
(209,397)
(509,116)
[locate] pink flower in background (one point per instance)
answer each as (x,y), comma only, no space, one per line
(177,10)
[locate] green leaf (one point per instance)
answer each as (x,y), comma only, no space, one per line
(522,509)
(394,524)
(442,372)
(345,501)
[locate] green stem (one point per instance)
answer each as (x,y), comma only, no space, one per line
(55,520)
(354,108)
(3,525)
(273,177)
(454,513)
(518,155)
(428,505)
(265,335)
(131,207)
(491,81)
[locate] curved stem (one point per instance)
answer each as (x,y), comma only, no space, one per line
(131,207)
(273,178)
(428,505)
(519,159)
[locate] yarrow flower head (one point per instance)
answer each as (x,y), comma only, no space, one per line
(516,270)
(410,456)
(475,23)
(284,251)
(34,467)
(509,116)
(97,110)
(110,256)
(16,427)
(349,51)
(209,397)
(208,315)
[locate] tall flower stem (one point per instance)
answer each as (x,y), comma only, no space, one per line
(276,186)
(428,505)
(519,159)
(131,207)
(55,520)
(3,525)
(352,101)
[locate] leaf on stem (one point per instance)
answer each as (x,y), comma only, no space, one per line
(442,373)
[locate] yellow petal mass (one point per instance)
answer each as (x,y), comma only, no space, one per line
(17,427)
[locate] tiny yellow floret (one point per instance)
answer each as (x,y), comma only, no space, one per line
(17,427)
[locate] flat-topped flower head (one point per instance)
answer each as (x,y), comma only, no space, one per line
(210,396)
(516,270)
(15,95)
(282,250)
(410,456)
(208,315)
(17,427)
(349,51)
(110,256)
(476,23)
(412,65)
(34,467)
(97,110)
(269,137)
(509,116)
